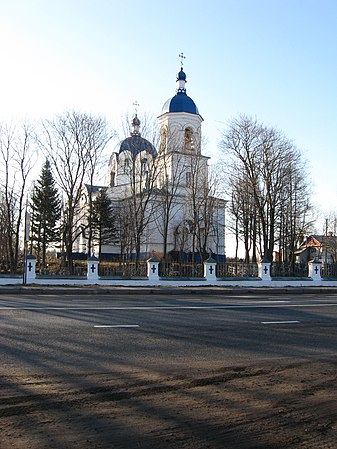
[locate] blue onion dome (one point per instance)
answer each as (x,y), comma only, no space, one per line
(135,121)
(136,143)
(181,102)
(181,75)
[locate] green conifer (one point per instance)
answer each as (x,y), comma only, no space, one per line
(104,220)
(46,214)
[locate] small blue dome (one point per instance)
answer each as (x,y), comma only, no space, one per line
(180,103)
(135,144)
(181,75)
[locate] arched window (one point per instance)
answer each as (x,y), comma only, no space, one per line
(144,166)
(188,139)
(112,178)
(163,139)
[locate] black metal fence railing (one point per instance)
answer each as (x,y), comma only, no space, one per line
(6,269)
(239,269)
(181,269)
(57,267)
(329,270)
(289,269)
(122,269)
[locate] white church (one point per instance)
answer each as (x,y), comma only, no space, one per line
(164,203)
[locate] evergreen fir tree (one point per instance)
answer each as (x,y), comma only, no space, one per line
(103,220)
(46,214)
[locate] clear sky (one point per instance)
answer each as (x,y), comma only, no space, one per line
(271,59)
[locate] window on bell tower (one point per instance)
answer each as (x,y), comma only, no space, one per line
(163,139)
(188,139)
(144,166)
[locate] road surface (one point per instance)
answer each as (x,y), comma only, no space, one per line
(184,371)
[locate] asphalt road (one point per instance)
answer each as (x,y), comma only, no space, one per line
(62,335)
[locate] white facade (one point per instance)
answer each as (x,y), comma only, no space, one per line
(162,194)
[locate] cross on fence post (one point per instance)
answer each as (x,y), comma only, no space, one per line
(153,268)
(30,267)
(210,269)
(264,271)
(314,270)
(93,269)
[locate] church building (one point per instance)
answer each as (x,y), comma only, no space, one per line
(162,197)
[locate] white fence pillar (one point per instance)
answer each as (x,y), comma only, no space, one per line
(30,268)
(153,269)
(92,273)
(315,270)
(210,269)
(264,271)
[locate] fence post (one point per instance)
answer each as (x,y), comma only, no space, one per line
(210,269)
(314,268)
(264,270)
(30,268)
(92,273)
(153,269)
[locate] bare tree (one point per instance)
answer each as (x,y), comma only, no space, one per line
(207,224)
(98,137)
(295,215)
(267,163)
(73,142)
(140,204)
(4,230)
(171,172)
(242,220)
(16,155)
(136,167)
(200,202)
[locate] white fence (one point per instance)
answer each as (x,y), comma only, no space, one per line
(209,278)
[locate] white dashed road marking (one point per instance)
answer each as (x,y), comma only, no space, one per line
(117,325)
(280,322)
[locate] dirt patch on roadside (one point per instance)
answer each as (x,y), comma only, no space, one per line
(280,407)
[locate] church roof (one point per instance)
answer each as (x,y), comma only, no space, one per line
(135,144)
(93,189)
(181,102)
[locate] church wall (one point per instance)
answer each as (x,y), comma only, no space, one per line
(175,125)
(181,161)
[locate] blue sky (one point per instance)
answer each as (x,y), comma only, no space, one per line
(272,59)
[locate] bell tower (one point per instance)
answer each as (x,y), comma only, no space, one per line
(180,121)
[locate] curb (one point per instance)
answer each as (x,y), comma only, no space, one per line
(200,290)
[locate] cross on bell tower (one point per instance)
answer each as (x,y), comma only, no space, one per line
(136,104)
(182,57)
